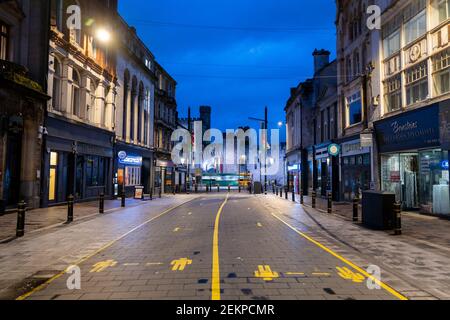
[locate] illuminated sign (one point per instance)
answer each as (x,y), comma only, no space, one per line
(445,165)
(293,168)
(131,161)
(334,150)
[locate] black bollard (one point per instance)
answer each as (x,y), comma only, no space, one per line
(122,204)
(302,201)
(101,205)
(330,203)
(160,192)
(196,188)
(355,208)
(239,188)
(281,192)
(313,199)
(286,193)
(293,195)
(151,194)
(229,188)
(218,188)
(70,209)
(21,210)
(398,218)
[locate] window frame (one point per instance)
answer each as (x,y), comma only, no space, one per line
(4,36)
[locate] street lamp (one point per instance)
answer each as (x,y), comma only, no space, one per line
(103,35)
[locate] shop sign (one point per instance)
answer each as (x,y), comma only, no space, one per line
(138,192)
(353,148)
(366,140)
(334,150)
(294,167)
(122,155)
(444,165)
(131,160)
(412,130)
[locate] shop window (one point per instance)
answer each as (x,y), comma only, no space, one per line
(95,171)
(132,176)
(393,93)
(441,72)
(4,39)
(417,83)
(354,109)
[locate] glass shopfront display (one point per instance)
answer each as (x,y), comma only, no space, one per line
(419,179)
(356,175)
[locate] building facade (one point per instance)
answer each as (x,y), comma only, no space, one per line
(166,116)
(79,147)
(23,56)
(133,154)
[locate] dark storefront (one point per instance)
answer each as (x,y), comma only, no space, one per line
(355,169)
(133,168)
(77,161)
(325,171)
(414,162)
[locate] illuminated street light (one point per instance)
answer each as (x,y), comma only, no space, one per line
(103,35)
(280,124)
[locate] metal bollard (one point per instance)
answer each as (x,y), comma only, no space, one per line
(355,208)
(151,194)
(218,188)
(21,210)
(160,192)
(293,195)
(196,188)
(273,189)
(313,199)
(70,209)
(123,199)
(239,188)
(286,193)
(330,202)
(276,191)
(398,218)
(229,188)
(302,201)
(101,208)
(281,192)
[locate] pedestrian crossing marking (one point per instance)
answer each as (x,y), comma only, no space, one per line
(347,274)
(180,264)
(266,273)
(102,265)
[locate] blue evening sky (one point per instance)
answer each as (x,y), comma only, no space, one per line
(235,55)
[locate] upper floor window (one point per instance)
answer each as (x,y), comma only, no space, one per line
(92,100)
(441,11)
(416,27)
(57,85)
(393,93)
(441,72)
(417,83)
(76,85)
(4,38)
(392,43)
(354,109)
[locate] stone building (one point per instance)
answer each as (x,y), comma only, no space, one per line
(165,123)
(78,157)
(133,156)
(23,61)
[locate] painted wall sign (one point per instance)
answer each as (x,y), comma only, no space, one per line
(411,130)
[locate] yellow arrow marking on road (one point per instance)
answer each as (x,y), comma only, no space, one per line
(176,229)
(347,274)
(259,225)
(266,273)
(180,264)
(102,265)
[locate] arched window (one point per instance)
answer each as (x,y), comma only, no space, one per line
(92,100)
(76,85)
(57,85)
(105,108)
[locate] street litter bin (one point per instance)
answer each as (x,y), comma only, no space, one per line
(378,210)
(257,188)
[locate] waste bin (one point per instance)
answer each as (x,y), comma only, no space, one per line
(257,188)
(377,210)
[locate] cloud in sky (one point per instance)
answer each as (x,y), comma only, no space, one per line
(235,55)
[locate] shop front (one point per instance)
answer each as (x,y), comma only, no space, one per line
(77,161)
(133,169)
(414,165)
(293,169)
(165,176)
(355,169)
(325,171)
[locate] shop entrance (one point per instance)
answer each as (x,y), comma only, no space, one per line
(400,175)
(12,168)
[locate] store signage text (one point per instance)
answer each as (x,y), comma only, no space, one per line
(131,160)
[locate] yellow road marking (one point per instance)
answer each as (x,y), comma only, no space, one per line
(103,265)
(154,264)
(180,264)
(131,264)
(45,284)
(259,225)
(321,274)
(295,273)
(349,263)
(347,274)
(266,273)
(215,283)
(176,229)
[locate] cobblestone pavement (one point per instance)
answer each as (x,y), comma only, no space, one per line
(260,257)
(39,219)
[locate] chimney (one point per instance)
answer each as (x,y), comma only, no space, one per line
(321,59)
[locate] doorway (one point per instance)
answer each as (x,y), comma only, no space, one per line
(11,180)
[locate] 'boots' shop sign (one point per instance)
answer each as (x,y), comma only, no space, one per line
(410,130)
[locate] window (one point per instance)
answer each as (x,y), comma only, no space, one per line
(92,100)
(391,44)
(416,27)
(441,11)
(417,83)
(52,176)
(57,78)
(393,93)
(132,176)
(4,38)
(356,64)
(76,93)
(349,69)
(95,171)
(354,109)
(441,72)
